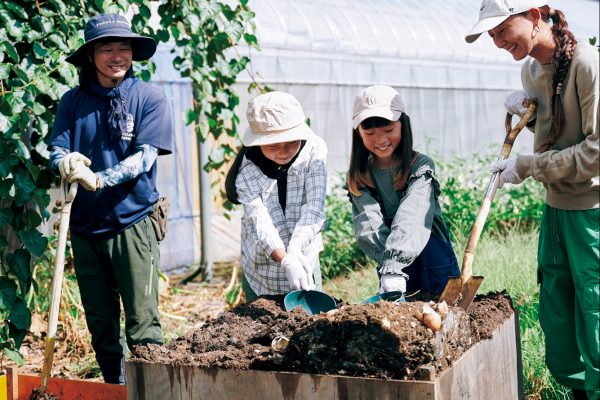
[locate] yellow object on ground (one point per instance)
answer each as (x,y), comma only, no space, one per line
(3,388)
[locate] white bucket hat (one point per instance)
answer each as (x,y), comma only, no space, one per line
(493,12)
(275,117)
(377,101)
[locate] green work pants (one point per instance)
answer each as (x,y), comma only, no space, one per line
(124,267)
(569,275)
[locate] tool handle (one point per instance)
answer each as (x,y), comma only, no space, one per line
(466,270)
(68,195)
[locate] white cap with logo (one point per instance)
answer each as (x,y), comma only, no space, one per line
(493,12)
(377,101)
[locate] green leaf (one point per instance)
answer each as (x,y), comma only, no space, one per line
(18,262)
(191,116)
(3,243)
(145,75)
(4,72)
(31,218)
(6,187)
(22,75)
(217,155)
(33,241)
(14,101)
(144,11)
(11,51)
(8,294)
(15,29)
(39,50)
(20,316)
(16,10)
(38,109)
(163,35)
(250,39)
(13,355)
(6,215)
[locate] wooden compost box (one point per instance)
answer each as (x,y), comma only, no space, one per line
(490,369)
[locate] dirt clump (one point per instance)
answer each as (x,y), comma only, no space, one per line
(381,340)
(39,394)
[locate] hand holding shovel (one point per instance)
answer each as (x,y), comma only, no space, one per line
(461,290)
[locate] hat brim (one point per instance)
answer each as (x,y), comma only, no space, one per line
(142,47)
(376,112)
(300,132)
(484,25)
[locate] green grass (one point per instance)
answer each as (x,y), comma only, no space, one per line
(507,263)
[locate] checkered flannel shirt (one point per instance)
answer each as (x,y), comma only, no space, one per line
(265,227)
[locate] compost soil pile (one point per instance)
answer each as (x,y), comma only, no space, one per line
(381,340)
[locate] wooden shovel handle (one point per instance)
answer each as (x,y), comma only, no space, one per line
(511,134)
(68,194)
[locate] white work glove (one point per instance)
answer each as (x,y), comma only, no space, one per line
(508,171)
(294,272)
(84,176)
(308,267)
(514,103)
(392,282)
(67,165)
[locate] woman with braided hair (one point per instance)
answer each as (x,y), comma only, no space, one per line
(562,74)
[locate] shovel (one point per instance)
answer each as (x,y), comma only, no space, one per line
(461,290)
(67,196)
(393,296)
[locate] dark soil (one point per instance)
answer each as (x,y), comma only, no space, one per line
(382,340)
(39,394)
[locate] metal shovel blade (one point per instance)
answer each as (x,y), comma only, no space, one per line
(459,294)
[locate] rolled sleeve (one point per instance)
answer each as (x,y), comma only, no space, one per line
(256,212)
(369,225)
(312,216)
(412,223)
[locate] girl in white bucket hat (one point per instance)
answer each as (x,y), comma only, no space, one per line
(563,76)
(280,178)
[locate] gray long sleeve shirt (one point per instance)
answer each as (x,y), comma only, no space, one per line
(393,227)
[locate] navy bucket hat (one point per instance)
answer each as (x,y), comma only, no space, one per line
(112,26)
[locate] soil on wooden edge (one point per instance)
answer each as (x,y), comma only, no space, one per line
(381,340)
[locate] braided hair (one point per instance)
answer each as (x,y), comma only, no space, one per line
(561,61)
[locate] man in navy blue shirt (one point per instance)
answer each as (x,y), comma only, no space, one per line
(107,135)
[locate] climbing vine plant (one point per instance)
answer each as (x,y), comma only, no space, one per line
(35,38)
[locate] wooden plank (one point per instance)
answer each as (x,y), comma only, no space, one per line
(12,384)
(69,389)
(159,382)
(490,369)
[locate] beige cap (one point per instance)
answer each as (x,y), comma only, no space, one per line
(493,12)
(275,117)
(377,101)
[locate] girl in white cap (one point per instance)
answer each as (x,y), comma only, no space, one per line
(280,178)
(563,75)
(394,193)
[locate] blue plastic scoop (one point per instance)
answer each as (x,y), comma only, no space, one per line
(395,296)
(312,301)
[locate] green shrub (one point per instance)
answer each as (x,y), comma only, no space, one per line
(341,254)
(463,183)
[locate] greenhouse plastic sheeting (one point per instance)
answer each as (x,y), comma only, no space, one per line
(324,51)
